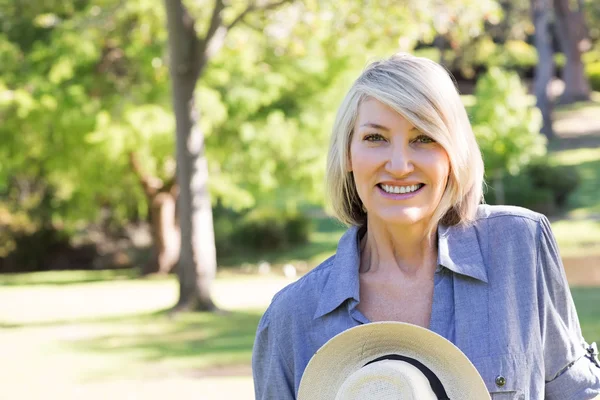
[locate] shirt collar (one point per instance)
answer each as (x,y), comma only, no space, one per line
(458,250)
(343,280)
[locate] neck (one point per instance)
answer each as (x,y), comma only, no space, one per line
(408,249)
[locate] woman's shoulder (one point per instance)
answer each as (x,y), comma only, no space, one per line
(510,237)
(498,226)
(510,223)
(506,214)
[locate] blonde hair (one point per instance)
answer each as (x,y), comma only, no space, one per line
(422,92)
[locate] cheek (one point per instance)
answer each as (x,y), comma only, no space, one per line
(444,170)
(444,166)
(438,165)
(361,161)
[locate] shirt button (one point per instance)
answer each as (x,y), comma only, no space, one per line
(500,381)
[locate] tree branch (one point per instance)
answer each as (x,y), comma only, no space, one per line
(171,186)
(201,48)
(252,26)
(217,31)
(151,184)
(216,21)
(241,16)
(254,7)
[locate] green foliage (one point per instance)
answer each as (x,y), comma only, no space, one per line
(263,229)
(298,229)
(561,180)
(585,201)
(13,222)
(520,191)
(513,54)
(540,186)
(592,16)
(33,249)
(591,56)
(505,124)
(76,75)
(518,54)
(560,60)
(592,71)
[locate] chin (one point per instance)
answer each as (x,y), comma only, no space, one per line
(402,217)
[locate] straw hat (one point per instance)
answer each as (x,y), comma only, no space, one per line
(390,360)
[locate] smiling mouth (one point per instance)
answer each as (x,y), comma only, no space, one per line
(400,189)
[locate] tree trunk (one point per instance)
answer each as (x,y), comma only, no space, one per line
(161,199)
(189,55)
(544,70)
(197,262)
(571,32)
(165,234)
(440,43)
(164,227)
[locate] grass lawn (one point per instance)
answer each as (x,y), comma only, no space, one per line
(586,301)
(112,338)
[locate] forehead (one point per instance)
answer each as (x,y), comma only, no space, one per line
(375,112)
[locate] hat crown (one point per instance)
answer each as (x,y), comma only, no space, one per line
(448,371)
(386,380)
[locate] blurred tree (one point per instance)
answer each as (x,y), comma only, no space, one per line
(592,14)
(544,70)
(506,126)
(80,84)
(189,56)
(573,38)
(515,24)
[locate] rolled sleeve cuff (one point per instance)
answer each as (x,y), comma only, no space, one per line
(581,381)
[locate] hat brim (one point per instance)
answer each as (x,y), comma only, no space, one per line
(352,349)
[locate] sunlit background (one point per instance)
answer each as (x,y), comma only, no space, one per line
(89,234)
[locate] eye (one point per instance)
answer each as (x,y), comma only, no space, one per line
(424,139)
(373,137)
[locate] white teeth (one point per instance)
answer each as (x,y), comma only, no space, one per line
(400,189)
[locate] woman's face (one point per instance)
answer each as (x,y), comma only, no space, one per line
(400,173)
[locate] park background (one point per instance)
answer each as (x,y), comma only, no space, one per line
(125,123)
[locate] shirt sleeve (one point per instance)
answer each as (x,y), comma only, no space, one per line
(273,377)
(571,370)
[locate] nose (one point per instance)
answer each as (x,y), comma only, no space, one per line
(400,161)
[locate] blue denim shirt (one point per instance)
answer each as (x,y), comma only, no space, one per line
(500,295)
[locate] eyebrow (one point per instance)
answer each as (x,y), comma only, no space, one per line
(375,126)
(383,128)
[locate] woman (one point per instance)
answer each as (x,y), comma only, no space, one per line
(405,173)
